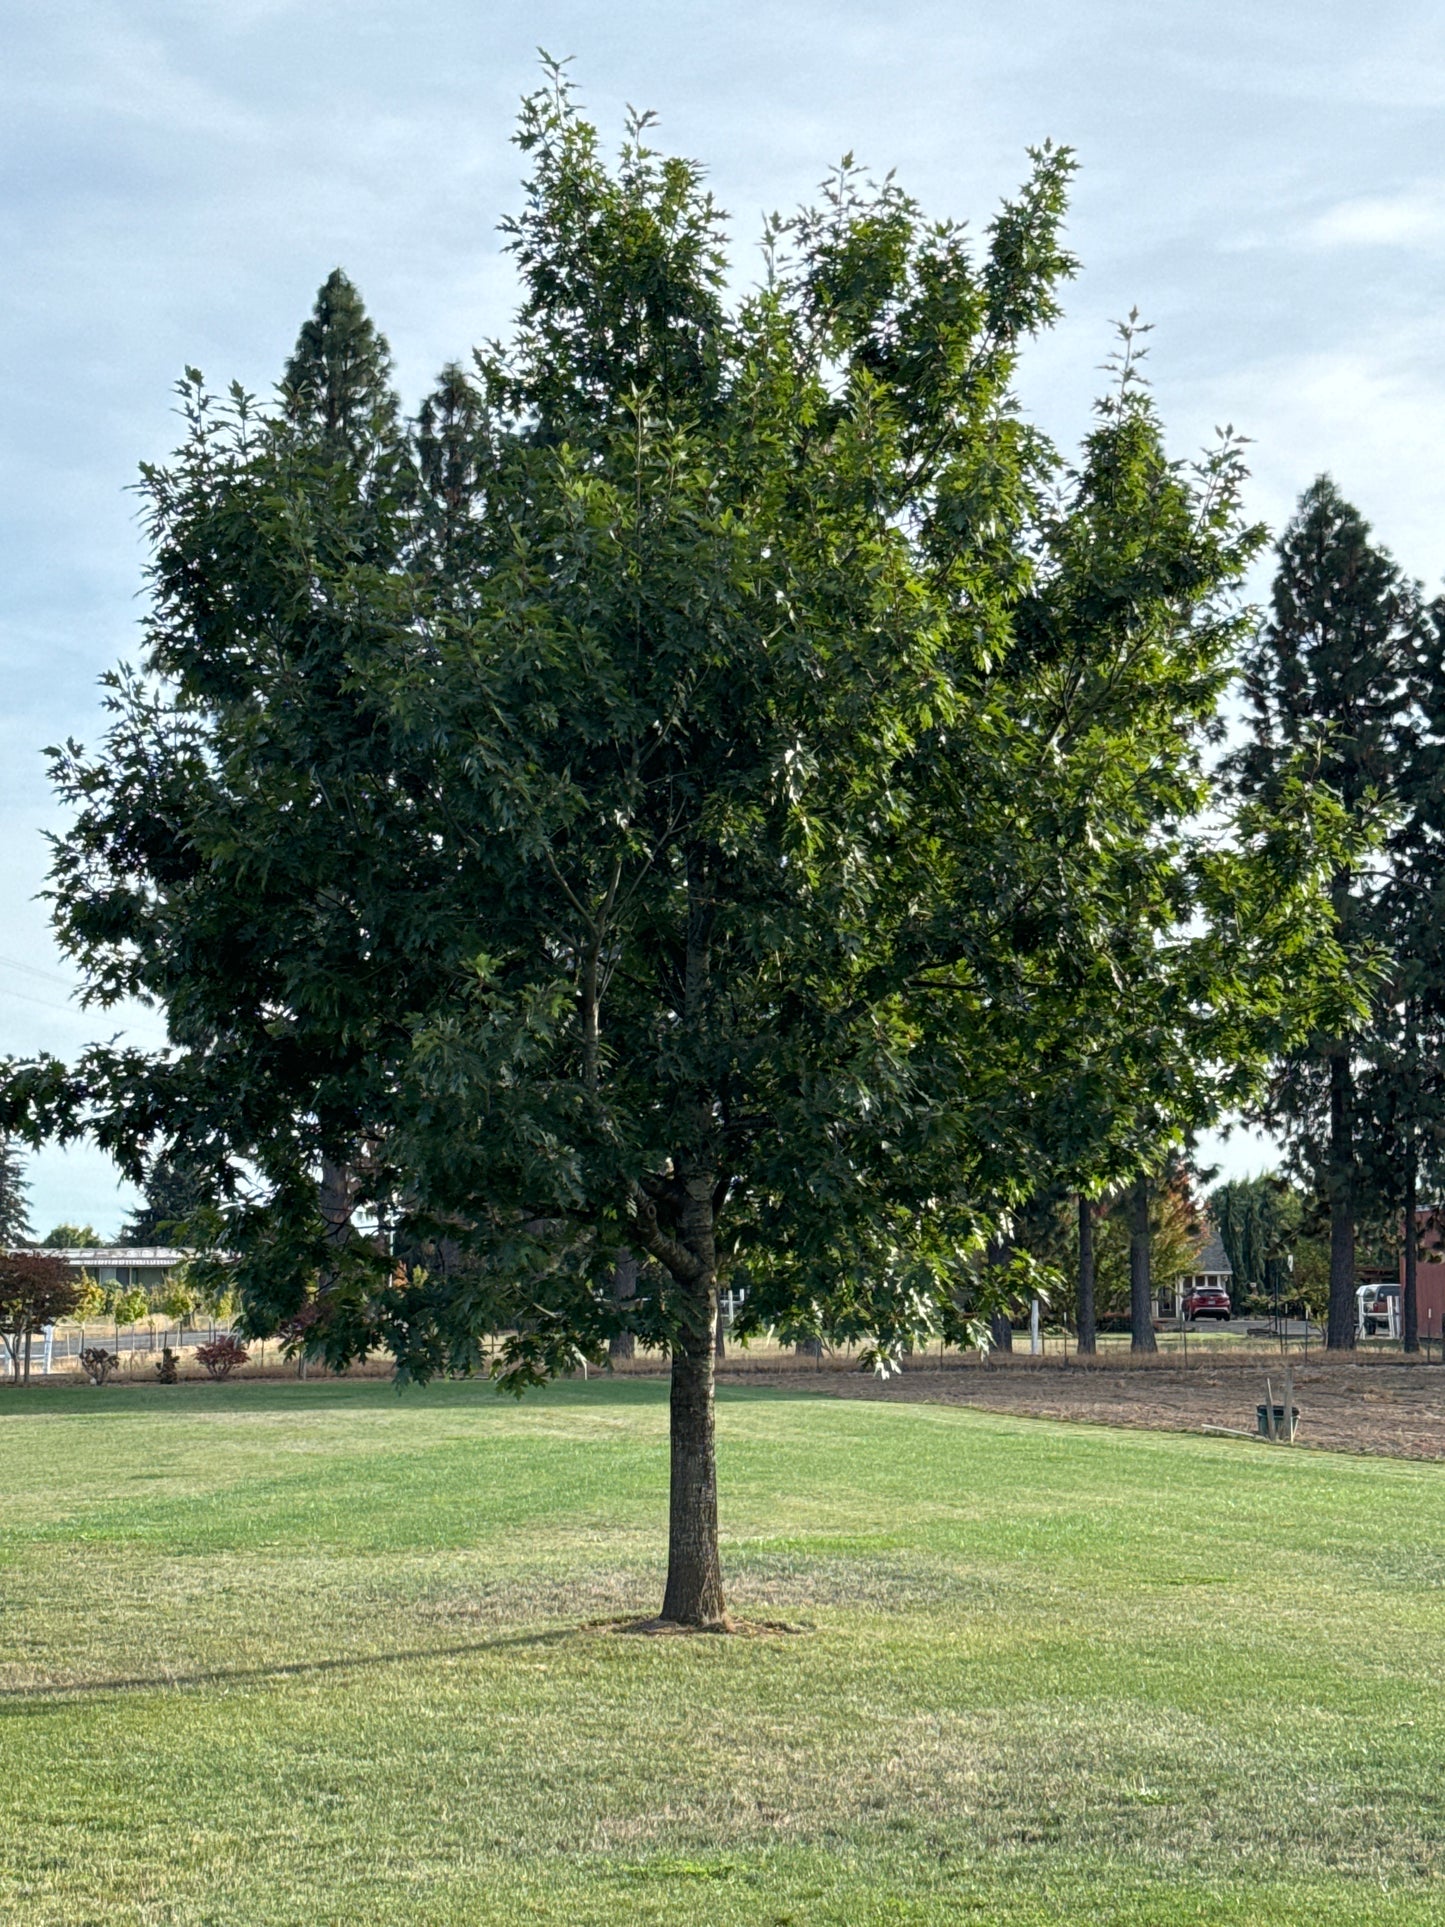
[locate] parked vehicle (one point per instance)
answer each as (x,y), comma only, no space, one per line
(1378,1311)
(1206,1301)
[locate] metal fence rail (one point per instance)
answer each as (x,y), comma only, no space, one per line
(57,1349)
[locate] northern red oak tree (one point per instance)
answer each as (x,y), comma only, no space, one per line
(715,787)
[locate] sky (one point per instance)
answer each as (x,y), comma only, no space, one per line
(1262,181)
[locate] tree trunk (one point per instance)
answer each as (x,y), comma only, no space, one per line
(1411,1292)
(1141,1309)
(694,1594)
(1000,1323)
(624,1287)
(1340,1327)
(334,1200)
(720,1332)
(1088,1331)
(26,1379)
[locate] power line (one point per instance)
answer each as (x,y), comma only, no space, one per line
(32,970)
(25,997)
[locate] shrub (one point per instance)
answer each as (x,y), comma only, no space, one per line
(98,1364)
(222,1358)
(167,1371)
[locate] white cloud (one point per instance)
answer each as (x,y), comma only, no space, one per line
(1371,413)
(1414,218)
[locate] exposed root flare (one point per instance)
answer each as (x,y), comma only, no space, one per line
(673,1628)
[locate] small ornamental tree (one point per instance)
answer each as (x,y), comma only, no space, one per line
(129,1304)
(91,1301)
(35,1291)
(176,1300)
(711,792)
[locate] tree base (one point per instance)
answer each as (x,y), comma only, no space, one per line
(675,1629)
(662,1628)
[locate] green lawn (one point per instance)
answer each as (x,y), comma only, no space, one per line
(316,1653)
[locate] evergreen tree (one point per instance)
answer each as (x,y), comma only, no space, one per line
(1331,674)
(1258,1221)
(337,384)
(14,1191)
(1402,1095)
(175,1192)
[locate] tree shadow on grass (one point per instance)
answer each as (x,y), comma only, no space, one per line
(23,1699)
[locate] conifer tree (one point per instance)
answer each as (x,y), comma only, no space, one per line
(1331,674)
(175,1191)
(1402,1097)
(14,1191)
(337,382)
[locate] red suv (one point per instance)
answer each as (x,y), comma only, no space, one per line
(1206,1301)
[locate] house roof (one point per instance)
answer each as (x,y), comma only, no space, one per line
(1212,1257)
(84,1255)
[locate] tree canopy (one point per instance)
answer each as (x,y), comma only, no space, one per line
(717,785)
(35,1291)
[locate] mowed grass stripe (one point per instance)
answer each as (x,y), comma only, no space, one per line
(308,1653)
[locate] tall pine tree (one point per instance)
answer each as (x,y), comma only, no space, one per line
(1331,674)
(1403,1097)
(14,1191)
(175,1191)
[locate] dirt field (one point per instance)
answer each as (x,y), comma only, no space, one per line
(1370,1404)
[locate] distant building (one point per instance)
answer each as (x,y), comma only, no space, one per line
(1211,1267)
(1429,1271)
(147,1265)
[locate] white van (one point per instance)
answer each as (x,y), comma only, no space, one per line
(1377,1311)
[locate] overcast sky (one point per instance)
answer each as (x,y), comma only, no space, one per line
(1263,181)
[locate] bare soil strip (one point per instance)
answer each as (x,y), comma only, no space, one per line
(1385,1407)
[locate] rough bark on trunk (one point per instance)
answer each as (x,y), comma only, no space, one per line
(1340,1326)
(335,1201)
(694,1592)
(1411,1292)
(1141,1309)
(624,1287)
(1088,1330)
